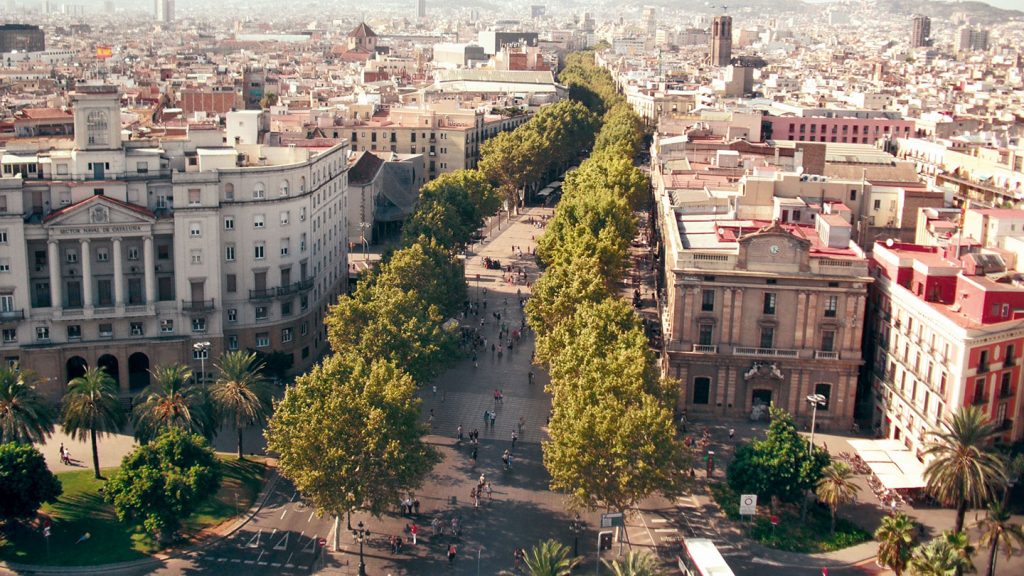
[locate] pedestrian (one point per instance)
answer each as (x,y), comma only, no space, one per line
(531,377)
(414,530)
(489,491)
(416,506)
(487,416)
(451,553)
(522,423)
(482,480)
(493,418)
(62,460)
(732,432)
(517,557)
(514,438)
(473,455)
(460,433)
(434,389)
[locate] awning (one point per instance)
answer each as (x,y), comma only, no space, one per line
(895,466)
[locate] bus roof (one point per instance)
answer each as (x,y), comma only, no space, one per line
(706,557)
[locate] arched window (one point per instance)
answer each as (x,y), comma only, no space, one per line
(701,390)
(259,191)
(284,187)
(229,191)
(826,391)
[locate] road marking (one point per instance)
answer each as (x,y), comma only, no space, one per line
(311,547)
(665,530)
(222,559)
(236,560)
(283,512)
(283,544)
(250,562)
(254,542)
(288,562)
(658,520)
(260,557)
(311,514)
(261,563)
(294,494)
(289,565)
(275,564)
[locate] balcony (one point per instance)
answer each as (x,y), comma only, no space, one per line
(982,368)
(705,349)
(825,355)
(769,352)
(1009,362)
(979,400)
(1006,393)
(263,294)
(197,305)
(9,315)
(300,286)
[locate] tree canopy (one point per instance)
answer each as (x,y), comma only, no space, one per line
(779,465)
(24,414)
(451,208)
(348,436)
(161,483)
(25,481)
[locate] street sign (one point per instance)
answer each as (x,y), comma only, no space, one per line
(612,520)
(748,504)
(775,520)
(322,542)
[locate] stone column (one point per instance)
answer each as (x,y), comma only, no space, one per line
(87,301)
(118,274)
(149,266)
(56,292)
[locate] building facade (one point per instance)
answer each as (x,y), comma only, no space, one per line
(921,32)
(125,254)
(762,313)
(22,37)
(946,329)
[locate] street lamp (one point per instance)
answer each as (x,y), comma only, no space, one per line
(363,227)
(201,349)
(815,401)
(361,533)
(576,527)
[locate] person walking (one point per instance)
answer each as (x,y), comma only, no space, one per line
(460,433)
(414,530)
(732,432)
(451,554)
(522,423)
(473,455)
(494,417)
(514,438)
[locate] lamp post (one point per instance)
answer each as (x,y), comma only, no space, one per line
(363,227)
(815,401)
(361,533)
(576,527)
(202,349)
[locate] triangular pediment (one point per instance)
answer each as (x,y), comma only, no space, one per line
(100,212)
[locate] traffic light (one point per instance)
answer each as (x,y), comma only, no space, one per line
(604,541)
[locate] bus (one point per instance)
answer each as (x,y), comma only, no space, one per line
(701,558)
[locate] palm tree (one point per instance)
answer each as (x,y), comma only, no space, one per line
(172,401)
(895,542)
(940,557)
(836,487)
(962,470)
(91,406)
(24,415)
(549,558)
(997,531)
(239,395)
(634,564)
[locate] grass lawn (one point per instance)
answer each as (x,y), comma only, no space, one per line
(792,534)
(81,510)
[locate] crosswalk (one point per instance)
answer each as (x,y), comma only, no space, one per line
(664,529)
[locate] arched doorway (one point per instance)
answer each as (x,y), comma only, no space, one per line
(108,363)
(138,372)
(75,367)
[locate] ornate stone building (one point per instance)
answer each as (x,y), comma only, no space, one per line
(760,312)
